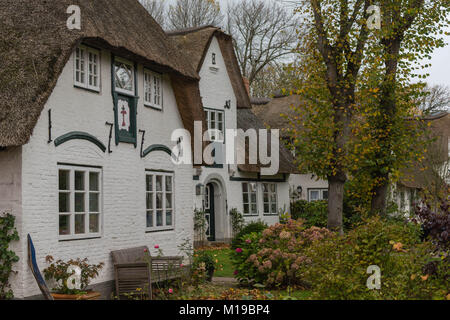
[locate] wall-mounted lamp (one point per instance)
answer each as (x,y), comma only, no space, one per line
(199,189)
(299,190)
(228,104)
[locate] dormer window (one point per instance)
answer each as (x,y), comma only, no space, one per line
(153,89)
(213,60)
(124,76)
(87,68)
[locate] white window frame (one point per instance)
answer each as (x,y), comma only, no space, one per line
(71,191)
(85,68)
(153,89)
(320,190)
(249,203)
(270,193)
(133,76)
(164,208)
(209,120)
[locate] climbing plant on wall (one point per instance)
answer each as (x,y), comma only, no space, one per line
(8,233)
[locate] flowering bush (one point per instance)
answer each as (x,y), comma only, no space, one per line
(273,258)
(337,268)
(59,271)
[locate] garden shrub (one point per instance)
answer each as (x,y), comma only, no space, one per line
(204,264)
(337,266)
(254,226)
(314,213)
(8,233)
(273,257)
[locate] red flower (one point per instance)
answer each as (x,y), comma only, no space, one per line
(156,246)
(235,272)
(238,250)
(170,290)
(145,250)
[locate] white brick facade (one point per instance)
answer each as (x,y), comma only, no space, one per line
(123,206)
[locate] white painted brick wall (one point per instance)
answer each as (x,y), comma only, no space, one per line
(123,175)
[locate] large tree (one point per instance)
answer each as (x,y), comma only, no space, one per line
(333,55)
(194,13)
(409,32)
(263,32)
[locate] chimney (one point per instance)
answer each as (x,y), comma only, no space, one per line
(247,85)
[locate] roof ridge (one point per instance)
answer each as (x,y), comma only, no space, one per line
(190,30)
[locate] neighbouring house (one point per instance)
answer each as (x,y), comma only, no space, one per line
(222,187)
(432,174)
(273,112)
(86,118)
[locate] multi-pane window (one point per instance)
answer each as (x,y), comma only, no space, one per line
(270,198)
(215,121)
(79,201)
(124,76)
(317,194)
(159,200)
(152,89)
(87,68)
(249,193)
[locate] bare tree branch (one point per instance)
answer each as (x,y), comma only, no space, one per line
(194,13)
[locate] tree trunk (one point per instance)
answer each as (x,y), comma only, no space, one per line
(378,203)
(335,204)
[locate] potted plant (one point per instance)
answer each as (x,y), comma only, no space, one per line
(72,278)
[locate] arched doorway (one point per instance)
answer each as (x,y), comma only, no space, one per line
(216,209)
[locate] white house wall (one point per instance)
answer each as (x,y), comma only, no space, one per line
(306,181)
(216,89)
(124,203)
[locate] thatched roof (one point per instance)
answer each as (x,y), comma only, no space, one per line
(194,42)
(246,119)
(35,45)
(271,113)
(422,175)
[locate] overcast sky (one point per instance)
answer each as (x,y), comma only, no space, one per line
(440,62)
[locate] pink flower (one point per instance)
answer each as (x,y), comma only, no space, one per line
(248,241)
(235,272)
(170,291)
(156,246)
(145,250)
(238,250)
(181,265)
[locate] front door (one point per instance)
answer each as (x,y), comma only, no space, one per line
(209,212)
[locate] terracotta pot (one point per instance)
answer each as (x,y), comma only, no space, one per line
(91,295)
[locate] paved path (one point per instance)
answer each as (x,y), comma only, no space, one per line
(225,281)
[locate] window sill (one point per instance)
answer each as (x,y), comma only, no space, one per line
(160,229)
(270,214)
(153,107)
(81,237)
(87,89)
(250,215)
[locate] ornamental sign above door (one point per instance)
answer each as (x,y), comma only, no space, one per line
(124,92)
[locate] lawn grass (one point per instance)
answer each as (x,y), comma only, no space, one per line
(224,267)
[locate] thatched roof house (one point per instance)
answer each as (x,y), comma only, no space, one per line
(273,112)
(424,174)
(34,50)
(194,42)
